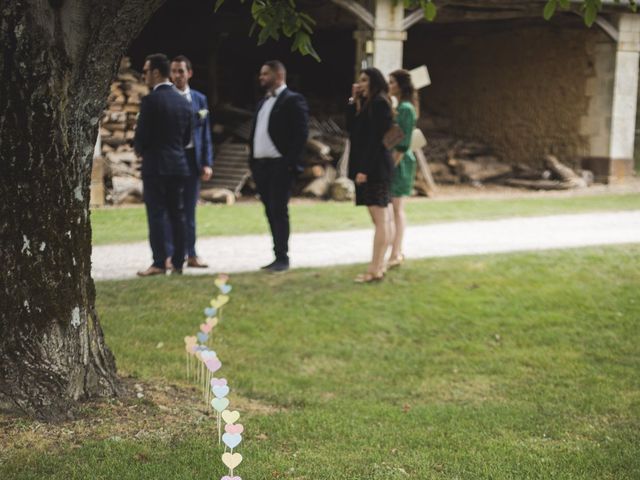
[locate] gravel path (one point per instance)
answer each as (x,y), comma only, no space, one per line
(245,253)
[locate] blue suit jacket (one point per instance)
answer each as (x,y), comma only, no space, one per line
(162,132)
(201,131)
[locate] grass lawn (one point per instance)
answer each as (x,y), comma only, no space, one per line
(521,366)
(121,225)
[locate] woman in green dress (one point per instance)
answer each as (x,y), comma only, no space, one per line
(401,87)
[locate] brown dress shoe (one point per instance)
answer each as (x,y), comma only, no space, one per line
(149,272)
(195,262)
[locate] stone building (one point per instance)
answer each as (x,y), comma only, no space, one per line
(501,73)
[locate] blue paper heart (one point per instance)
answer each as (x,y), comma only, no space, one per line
(202,337)
(210,312)
(220,391)
(220,404)
(232,440)
(225,288)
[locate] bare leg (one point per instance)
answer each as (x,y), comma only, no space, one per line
(380,219)
(391,230)
(400,222)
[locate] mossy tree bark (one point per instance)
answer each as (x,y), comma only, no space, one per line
(57,60)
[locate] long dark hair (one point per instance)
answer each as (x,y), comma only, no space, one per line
(378,86)
(408,92)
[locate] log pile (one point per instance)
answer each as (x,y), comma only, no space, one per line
(117,130)
(457,161)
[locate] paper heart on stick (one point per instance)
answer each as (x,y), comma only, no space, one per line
(219,282)
(213,365)
(220,301)
(202,337)
(225,289)
(231,460)
(230,417)
(218,381)
(219,404)
(232,440)
(210,311)
(234,428)
(190,340)
(208,355)
(205,327)
(220,391)
(213,321)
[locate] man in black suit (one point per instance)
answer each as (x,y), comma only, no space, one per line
(162,132)
(278,138)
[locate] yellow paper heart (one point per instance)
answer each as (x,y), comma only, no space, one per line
(220,282)
(215,303)
(230,417)
(213,321)
(231,460)
(223,300)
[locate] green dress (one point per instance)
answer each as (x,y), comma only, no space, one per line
(405,172)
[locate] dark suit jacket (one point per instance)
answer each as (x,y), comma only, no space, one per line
(162,132)
(368,154)
(288,127)
(201,131)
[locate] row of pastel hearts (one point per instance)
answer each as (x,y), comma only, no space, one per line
(219,386)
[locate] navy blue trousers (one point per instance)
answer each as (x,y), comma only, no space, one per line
(164,199)
(190,200)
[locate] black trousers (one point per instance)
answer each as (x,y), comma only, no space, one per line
(273,180)
(164,197)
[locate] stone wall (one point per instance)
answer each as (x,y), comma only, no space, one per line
(527,88)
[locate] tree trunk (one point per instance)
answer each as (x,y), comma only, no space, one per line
(57,59)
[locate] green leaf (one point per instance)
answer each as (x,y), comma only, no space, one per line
(550,9)
(430,11)
(590,14)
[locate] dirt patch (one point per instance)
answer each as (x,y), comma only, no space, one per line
(145,411)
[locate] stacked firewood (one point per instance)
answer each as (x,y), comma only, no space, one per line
(117,130)
(453,160)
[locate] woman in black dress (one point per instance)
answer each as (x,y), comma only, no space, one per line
(369,117)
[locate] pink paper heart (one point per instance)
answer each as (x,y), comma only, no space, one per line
(234,428)
(205,327)
(213,365)
(227,477)
(218,382)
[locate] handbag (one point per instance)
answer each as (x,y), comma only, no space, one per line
(393,136)
(418,140)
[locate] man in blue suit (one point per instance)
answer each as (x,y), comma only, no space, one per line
(199,153)
(162,132)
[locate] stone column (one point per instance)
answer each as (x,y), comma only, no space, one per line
(625,97)
(388,36)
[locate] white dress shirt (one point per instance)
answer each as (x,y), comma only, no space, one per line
(163,83)
(263,146)
(186,93)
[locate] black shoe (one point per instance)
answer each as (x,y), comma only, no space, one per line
(268,267)
(278,266)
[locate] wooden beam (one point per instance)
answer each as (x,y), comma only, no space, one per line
(358,10)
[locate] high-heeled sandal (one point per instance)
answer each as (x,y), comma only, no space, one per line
(369,277)
(395,262)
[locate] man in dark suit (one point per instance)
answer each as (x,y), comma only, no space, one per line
(199,156)
(162,132)
(278,138)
